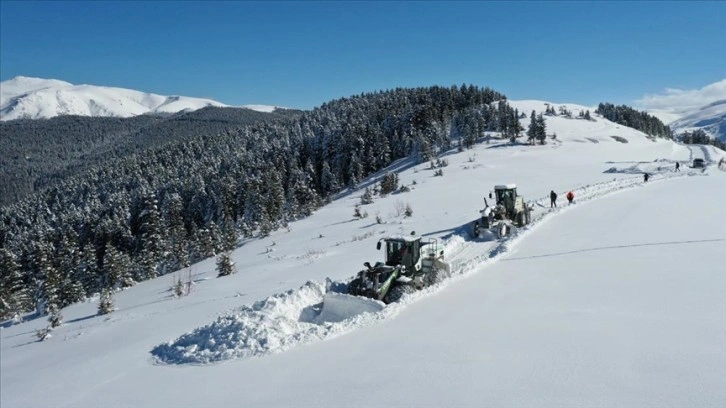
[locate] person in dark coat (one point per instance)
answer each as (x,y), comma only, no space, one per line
(553,199)
(678,166)
(645,177)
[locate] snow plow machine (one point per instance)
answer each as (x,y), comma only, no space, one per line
(509,211)
(410,265)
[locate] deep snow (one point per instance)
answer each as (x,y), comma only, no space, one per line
(36,98)
(614,301)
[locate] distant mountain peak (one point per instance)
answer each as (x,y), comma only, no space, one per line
(35,98)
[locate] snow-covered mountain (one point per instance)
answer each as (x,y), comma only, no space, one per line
(36,98)
(710,118)
(688,110)
(616,300)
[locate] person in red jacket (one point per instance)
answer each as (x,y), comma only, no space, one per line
(570,196)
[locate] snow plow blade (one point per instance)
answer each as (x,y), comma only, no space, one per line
(340,306)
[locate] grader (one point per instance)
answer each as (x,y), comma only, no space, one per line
(509,211)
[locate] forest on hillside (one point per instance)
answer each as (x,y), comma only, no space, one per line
(34,153)
(627,116)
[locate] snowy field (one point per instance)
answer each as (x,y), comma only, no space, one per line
(616,300)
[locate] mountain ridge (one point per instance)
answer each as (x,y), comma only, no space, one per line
(37,98)
(710,118)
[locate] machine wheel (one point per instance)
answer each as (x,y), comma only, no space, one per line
(520,219)
(397,292)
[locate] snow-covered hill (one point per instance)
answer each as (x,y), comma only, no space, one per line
(35,98)
(710,118)
(688,110)
(574,128)
(616,300)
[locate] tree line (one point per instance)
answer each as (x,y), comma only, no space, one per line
(699,136)
(635,119)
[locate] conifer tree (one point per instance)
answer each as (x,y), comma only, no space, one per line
(204,243)
(49,295)
(15,298)
(69,257)
(105,304)
(87,270)
(225,266)
(389,183)
(173,210)
(541,129)
(229,236)
(532,131)
(150,237)
(382,151)
(55,318)
(116,269)
(367,197)
(355,170)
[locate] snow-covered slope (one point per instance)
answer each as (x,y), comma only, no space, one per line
(613,301)
(596,130)
(710,118)
(35,98)
(262,108)
(688,110)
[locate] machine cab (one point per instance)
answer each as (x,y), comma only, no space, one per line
(402,251)
(506,194)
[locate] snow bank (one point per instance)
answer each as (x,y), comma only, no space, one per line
(272,325)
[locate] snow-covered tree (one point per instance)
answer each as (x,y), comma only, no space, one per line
(541,129)
(389,183)
(225,266)
(15,297)
(105,304)
(367,197)
(55,318)
(532,129)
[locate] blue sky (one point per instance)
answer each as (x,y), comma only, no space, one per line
(302,54)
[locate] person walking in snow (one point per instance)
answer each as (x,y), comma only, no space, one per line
(645,177)
(678,166)
(570,196)
(553,199)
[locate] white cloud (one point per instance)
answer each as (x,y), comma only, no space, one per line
(675,100)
